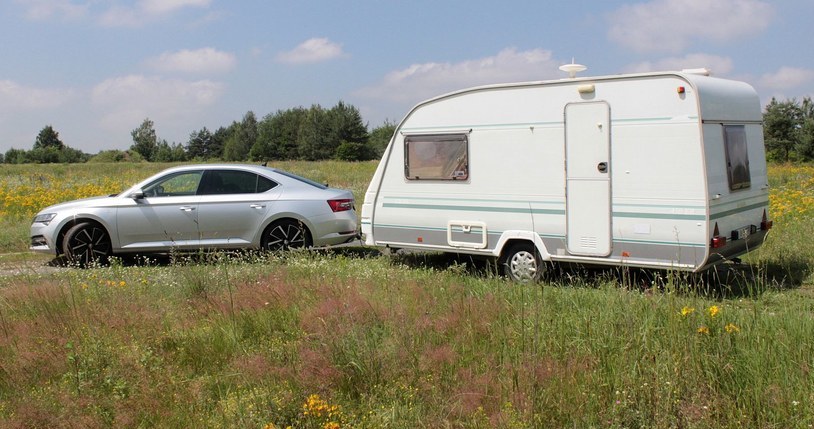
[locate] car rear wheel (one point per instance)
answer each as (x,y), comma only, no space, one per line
(87,243)
(523,264)
(285,234)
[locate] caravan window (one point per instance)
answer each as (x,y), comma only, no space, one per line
(436,157)
(737,157)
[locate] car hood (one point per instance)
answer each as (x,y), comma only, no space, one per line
(84,202)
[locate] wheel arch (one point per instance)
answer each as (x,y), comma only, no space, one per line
(510,238)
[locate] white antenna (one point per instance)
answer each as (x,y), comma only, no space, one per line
(572,69)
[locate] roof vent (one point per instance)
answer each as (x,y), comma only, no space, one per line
(700,71)
(572,69)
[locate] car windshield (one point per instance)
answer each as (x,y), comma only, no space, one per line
(301,179)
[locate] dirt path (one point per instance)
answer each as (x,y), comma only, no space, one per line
(26,263)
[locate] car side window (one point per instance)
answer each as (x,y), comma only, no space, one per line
(218,182)
(173,185)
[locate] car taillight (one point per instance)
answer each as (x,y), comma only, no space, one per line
(340,205)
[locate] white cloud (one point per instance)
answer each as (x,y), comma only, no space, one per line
(45,9)
(15,97)
(717,65)
(146,11)
(787,78)
(312,51)
(127,100)
(671,25)
(202,61)
(421,81)
(161,7)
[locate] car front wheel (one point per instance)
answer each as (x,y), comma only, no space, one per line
(87,243)
(285,234)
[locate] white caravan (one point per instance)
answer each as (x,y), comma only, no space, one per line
(658,170)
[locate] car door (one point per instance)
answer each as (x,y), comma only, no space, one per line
(233,207)
(165,218)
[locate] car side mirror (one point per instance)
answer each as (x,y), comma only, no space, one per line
(138,195)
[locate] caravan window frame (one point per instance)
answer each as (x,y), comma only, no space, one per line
(737,157)
(449,162)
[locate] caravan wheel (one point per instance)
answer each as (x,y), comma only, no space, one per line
(523,264)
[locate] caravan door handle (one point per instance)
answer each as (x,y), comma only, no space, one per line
(602,167)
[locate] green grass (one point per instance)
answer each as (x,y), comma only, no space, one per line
(361,340)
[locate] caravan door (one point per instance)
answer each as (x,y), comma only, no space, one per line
(587,178)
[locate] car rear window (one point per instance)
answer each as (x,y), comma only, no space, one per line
(219,182)
(301,179)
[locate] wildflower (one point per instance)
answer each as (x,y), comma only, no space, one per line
(686,311)
(713,311)
(731,328)
(703,330)
(318,407)
(331,425)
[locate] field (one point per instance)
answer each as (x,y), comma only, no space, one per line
(350,338)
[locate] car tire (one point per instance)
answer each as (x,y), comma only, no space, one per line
(285,234)
(87,243)
(523,264)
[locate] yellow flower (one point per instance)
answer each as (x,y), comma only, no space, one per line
(686,311)
(703,330)
(331,425)
(731,328)
(713,311)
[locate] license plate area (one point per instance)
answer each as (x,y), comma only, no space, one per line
(741,233)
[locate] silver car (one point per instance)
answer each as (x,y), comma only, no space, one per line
(199,207)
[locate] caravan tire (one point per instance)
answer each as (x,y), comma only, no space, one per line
(522,263)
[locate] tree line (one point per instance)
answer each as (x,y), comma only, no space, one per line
(317,133)
(311,134)
(788,130)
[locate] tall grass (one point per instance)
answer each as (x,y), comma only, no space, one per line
(373,342)
(348,338)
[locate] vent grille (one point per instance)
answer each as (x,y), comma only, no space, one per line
(588,242)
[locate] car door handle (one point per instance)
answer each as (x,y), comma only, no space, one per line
(187,208)
(258,206)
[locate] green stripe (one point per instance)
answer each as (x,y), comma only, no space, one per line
(691,119)
(659,216)
(459,208)
(536,211)
(478,200)
(661,206)
(660,243)
(482,126)
(764,204)
(423,228)
(553,236)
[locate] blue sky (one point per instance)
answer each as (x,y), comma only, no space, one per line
(95,69)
